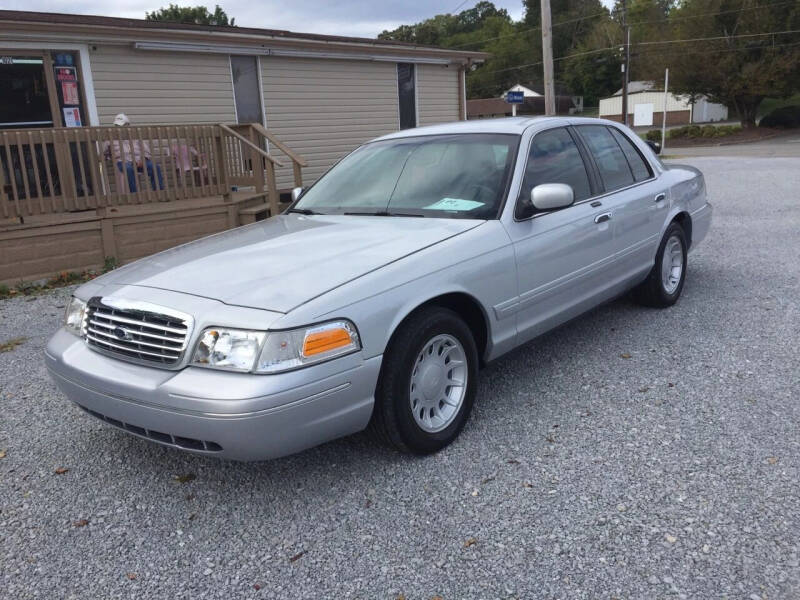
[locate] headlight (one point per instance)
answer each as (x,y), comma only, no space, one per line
(235,349)
(291,349)
(74,316)
(274,351)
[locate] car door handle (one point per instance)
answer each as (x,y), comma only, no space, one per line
(660,197)
(603,218)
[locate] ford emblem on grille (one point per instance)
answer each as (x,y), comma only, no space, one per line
(122,334)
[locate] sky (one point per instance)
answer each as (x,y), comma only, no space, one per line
(365,18)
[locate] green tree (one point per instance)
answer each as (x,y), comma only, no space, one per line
(737,67)
(595,72)
(199,15)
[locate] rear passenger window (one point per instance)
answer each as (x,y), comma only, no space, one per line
(637,164)
(611,162)
(554,158)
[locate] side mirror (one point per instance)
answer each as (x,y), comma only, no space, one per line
(655,146)
(296,193)
(549,196)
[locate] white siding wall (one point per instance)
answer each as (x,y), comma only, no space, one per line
(437,94)
(322,109)
(161,87)
(705,112)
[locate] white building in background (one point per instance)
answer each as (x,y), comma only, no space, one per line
(526,91)
(646,106)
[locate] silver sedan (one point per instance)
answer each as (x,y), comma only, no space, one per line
(374,300)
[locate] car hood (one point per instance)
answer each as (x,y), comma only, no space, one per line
(283,262)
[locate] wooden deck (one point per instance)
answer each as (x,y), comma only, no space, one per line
(68,213)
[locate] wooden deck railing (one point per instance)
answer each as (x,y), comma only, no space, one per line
(256,167)
(62,170)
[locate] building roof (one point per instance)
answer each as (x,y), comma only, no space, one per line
(634,87)
(527,92)
(62,24)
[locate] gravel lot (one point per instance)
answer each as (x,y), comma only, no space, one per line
(631,454)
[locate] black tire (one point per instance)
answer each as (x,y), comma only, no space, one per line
(652,291)
(392,420)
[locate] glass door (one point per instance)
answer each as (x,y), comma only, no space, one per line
(24,98)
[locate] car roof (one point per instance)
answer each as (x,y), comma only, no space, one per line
(512,125)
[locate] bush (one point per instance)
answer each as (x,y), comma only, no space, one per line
(677,132)
(787,117)
(4,291)
(654,135)
(694,131)
(708,131)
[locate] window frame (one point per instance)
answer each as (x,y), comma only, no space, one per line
(647,165)
(595,185)
(416,95)
(507,187)
(605,191)
(599,192)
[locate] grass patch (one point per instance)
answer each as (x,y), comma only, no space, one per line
(9,345)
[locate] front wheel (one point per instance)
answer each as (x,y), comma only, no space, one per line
(428,382)
(664,283)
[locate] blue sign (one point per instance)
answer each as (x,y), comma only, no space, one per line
(515,97)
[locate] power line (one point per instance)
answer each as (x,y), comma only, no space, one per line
(598,50)
(452,12)
(537,28)
(720,37)
(668,19)
(682,53)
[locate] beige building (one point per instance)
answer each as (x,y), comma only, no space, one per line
(321,95)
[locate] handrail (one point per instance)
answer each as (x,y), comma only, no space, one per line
(250,144)
(281,146)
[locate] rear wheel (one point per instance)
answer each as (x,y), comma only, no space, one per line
(427,383)
(664,283)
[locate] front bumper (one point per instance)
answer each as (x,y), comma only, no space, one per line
(230,415)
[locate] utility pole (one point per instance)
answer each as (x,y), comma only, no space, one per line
(626,63)
(664,112)
(547,59)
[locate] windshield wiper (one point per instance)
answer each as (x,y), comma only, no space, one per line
(304,211)
(383,213)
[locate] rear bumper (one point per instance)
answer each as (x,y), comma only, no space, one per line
(701,223)
(229,415)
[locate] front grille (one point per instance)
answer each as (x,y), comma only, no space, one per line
(158,436)
(136,332)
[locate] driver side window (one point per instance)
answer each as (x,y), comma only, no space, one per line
(553,158)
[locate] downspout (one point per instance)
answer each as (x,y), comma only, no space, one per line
(462,91)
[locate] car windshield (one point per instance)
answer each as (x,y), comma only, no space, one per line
(449,176)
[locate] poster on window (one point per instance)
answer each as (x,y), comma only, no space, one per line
(65,74)
(72,117)
(69,91)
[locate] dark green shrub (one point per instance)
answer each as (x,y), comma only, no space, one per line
(654,135)
(677,132)
(787,117)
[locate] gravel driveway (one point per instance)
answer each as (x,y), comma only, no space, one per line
(633,453)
